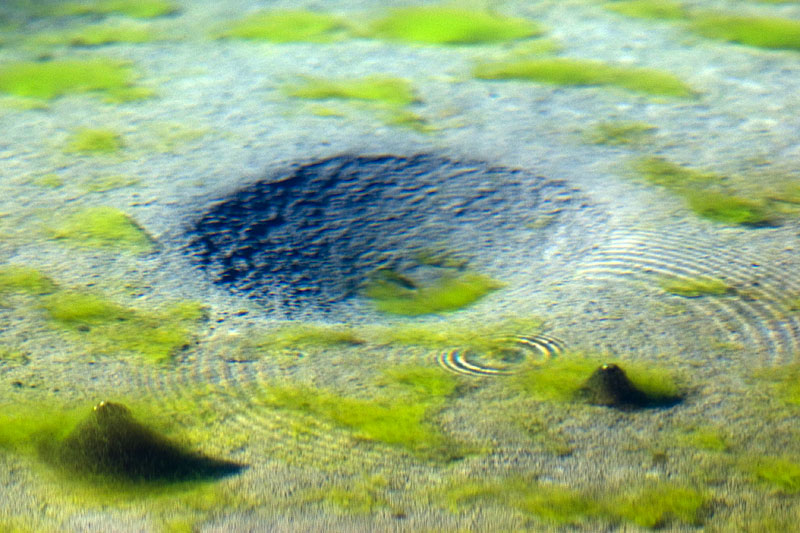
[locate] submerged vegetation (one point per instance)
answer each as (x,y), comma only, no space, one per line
(402,420)
(579,72)
(131,8)
(94,141)
(47,80)
(620,133)
(103,227)
(381,89)
(446,25)
(707,194)
(651,506)
(283,26)
(695,287)
(449,292)
(761,32)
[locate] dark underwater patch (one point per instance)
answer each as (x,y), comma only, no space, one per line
(309,237)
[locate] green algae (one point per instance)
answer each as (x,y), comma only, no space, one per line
(561,379)
(762,32)
(309,336)
(783,381)
(284,26)
(782,473)
(702,438)
(46,80)
(400,419)
(695,287)
(109,183)
(649,9)
(620,133)
(660,505)
(361,497)
(103,227)
(450,292)
(23,279)
(110,328)
(664,173)
(380,89)
(578,72)
(49,181)
(730,209)
(445,25)
(94,141)
(100,34)
(131,8)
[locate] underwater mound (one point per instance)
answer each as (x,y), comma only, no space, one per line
(110,442)
(316,234)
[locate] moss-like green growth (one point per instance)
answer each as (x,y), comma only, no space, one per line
(563,379)
(50,181)
(660,505)
(22,279)
(782,473)
(396,420)
(46,80)
(695,287)
(702,438)
(94,141)
(131,8)
(620,133)
(381,89)
(360,497)
(444,25)
(393,293)
(664,173)
(485,337)
(112,328)
(100,34)
(287,26)
(705,193)
(309,336)
(763,32)
(649,9)
(103,227)
(730,209)
(109,183)
(577,72)
(784,380)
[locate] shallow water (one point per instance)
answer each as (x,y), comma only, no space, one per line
(374,279)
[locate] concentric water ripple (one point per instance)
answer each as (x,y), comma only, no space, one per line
(540,348)
(756,311)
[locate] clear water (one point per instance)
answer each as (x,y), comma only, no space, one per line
(367,269)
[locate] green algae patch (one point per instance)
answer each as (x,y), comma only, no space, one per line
(109,183)
(132,8)
(660,505)
(103,227)
(310,336)
(100,34)
(649,9)
(784,381)
(94,141)
(562,380)
(491,336)
(48,181)
(577,72)
(361,497)
(730,209)
(287,26)
(553,504)
(378,89)
(711,439)
(46,80)
(781,473)
(664,173)
(444,25)
(695,287)
(761,32)
(622,133)
(26,280)
(449,292)
(404,424)
(112,328)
